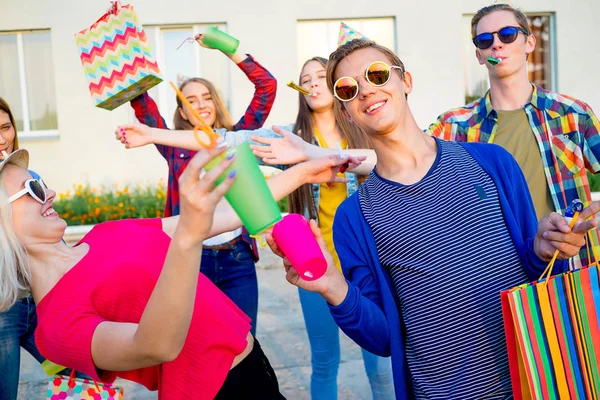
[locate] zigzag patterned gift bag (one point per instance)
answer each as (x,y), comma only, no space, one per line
(117,58)
(552,329)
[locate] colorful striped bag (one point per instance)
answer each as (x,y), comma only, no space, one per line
(117,58)
(553,337)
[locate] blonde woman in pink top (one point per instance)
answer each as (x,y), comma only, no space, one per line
(127,300)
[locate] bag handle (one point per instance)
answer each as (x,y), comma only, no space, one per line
(591,253)
(114,8)
(548,271)
(72,378)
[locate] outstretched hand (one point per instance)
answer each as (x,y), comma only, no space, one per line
(554,233)
(134,135)
(287,149)
(326,169)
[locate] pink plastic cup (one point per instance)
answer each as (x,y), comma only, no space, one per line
(296,240)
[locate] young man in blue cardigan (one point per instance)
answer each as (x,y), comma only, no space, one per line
(429,241)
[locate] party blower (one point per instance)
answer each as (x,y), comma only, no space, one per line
(298,243)
(216,39)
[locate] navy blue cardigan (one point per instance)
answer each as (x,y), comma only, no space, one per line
(369,314)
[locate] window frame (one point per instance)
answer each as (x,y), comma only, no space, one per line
(350,22)
(553,79)
(26,134)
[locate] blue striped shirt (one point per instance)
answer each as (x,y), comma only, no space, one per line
(447,249)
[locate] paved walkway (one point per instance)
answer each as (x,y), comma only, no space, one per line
(282,335)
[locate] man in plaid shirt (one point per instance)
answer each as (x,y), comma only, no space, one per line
(554,138)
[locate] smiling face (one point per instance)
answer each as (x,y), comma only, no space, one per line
(7,133)
(513,55)
(378,110)
(312,78)
(202,100)
(33,222)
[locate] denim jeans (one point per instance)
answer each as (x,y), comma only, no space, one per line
(17,327)
(324,338)
(234,273)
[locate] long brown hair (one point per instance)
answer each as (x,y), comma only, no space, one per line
(6,108)
(223,118)
(302,199)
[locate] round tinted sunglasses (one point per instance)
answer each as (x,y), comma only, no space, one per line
(377,74)
(34,188)
(508,34)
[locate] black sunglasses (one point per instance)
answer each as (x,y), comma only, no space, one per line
(508,34)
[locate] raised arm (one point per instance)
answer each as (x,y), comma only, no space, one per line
(161,332)
(265,89)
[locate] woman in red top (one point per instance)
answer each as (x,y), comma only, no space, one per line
(127,300)
(228,259)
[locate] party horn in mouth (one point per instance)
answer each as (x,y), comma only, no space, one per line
(298,88)
(494,61)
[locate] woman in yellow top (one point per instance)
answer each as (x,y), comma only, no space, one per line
(317,123)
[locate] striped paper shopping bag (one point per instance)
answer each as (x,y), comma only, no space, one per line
(116,57)
(553,336)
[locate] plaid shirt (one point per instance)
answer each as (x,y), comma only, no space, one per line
(567,134)
(146,111)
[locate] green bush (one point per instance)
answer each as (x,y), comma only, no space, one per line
(283,204)
(87,205)
(594,182)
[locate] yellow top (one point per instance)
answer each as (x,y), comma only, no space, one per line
(331,196)
(515,135)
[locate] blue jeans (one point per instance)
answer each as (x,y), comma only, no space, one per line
(234,273)
(324,338)
(17,327)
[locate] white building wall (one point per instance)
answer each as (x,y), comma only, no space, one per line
(429,39)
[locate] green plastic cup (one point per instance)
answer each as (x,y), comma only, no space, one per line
(217,39)
(249,195)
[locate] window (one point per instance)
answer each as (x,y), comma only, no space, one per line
(191,60)
(541,63)
(319,38)
(27,82)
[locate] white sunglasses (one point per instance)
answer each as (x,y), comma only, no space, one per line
(33,187)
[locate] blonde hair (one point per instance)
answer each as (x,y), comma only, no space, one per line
(223,118)
(15,275)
